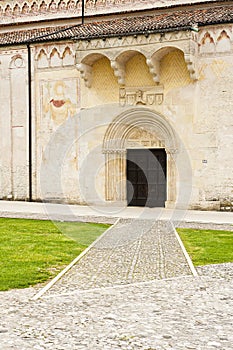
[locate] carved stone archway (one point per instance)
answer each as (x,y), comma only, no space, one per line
(137,128)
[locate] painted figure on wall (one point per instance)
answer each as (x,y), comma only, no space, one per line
(58,102)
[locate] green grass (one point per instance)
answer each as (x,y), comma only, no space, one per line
(207,246)
(33,251)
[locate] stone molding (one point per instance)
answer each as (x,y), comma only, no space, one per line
(118,130)
(135,40)
(136,128)
(114,151)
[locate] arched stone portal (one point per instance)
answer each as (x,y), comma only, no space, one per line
(137,128)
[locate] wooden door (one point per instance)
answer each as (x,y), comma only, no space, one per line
(146,177)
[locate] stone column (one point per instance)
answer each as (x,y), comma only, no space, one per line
(171,179)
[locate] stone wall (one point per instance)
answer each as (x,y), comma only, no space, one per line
(93,100)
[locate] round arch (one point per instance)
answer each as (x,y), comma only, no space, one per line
(91,58)
(137,128)
(126,55)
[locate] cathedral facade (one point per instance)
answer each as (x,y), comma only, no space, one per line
(123,102)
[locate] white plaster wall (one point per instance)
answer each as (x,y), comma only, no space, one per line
(5,128)
(19,125)
(214,125)
(14,111)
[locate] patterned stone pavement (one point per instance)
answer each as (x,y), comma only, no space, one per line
(118,309)
(179,314)
(133,250)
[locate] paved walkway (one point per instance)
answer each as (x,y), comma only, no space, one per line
(109,214)
(133,250)
(176,314)
(92,307)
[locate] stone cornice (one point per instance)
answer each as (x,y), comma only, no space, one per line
(135,40)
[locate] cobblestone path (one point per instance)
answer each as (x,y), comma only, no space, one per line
(131,251)
(182,313)
(177,314)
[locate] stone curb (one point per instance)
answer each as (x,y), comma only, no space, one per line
(189,261)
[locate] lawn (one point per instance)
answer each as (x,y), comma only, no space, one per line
(207,246)
(33,251)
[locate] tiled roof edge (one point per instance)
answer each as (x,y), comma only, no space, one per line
(130,26)
(123,12)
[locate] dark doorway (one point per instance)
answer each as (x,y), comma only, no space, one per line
(146,177)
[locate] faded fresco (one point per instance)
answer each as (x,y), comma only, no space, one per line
(57,130)
(59,100)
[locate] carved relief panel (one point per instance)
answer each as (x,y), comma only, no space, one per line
(141,137)
(135,96)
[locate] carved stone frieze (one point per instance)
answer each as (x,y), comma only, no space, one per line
(134,96)
(29,9)
(114,151)
(141,137)
(171,37)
